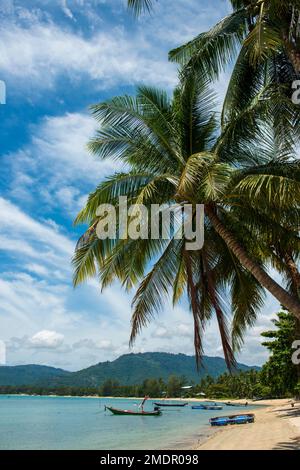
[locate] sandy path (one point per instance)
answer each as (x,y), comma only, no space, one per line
(276,427)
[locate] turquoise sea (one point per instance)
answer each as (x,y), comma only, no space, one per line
(82,423)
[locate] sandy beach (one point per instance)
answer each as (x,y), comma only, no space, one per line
(276,427)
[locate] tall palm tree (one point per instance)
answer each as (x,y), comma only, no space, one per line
(172,154)
(267,36)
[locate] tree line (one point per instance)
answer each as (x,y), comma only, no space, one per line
(278,377)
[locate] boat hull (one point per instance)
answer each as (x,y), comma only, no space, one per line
(116,411)
(233,419)
(171,405)
(204,407)
(236,404)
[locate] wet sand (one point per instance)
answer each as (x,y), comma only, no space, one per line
(276,427)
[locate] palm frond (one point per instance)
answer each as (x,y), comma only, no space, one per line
(154,288)
(210,52)
(197,114)
(270,190)
(85,260)
(247,300)
(140,6)
(263,41)
(119,184)
(221,318)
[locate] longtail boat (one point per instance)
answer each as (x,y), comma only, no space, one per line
(229,403)
(233,419)
(207,407)
(116,411)
(170,404)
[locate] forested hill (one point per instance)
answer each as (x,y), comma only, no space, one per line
(128,369)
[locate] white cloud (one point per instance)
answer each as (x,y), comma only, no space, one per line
(44,300)
(48,52)
(67,11)
(19,228)
(55,172)
(55,167)
(102,345)
(113,54)
(176,330)
(47,339)
(169,28)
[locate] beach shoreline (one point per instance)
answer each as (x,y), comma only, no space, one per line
(276,427)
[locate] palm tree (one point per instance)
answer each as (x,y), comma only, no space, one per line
(263,27)
(267,35)
(261,36)
(172,154)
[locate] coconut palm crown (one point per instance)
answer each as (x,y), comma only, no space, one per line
(260,37)
(172,153)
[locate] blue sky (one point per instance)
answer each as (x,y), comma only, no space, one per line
(57,57)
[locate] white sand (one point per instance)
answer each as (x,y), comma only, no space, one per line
(276,428)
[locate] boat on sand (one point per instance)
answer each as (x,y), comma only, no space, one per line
(229,403)
(233,419)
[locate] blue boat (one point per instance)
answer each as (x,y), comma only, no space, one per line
(219,421)
(234,419)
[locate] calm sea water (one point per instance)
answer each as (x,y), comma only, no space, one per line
(82,423)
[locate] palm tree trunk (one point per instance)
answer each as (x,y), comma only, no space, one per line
(292,52)
(293,270)
(286,299)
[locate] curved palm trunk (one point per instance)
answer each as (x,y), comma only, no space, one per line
(293,270)
(292,52)
(286,299)
(294,57)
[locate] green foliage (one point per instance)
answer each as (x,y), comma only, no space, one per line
(279,373)
(109,387)
(211,51)
(245,384)
(262,38)
(240,385)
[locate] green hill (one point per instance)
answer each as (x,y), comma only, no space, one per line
(128,369)
(29,374)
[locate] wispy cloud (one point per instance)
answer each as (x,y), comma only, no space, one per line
(18,226)
(117,52)
(110,59)
(55,167)
(79,48)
